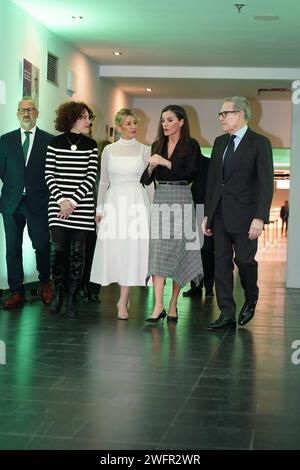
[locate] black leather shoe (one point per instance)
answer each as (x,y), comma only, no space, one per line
(209,293)
(246,314)
(83,292)
(195,292)
(94,298)
(222,323)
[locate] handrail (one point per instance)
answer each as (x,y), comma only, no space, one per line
(274,233)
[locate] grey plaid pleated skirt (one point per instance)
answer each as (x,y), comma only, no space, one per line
(174,249)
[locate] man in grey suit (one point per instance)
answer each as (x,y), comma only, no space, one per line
(24,199)
(237,205)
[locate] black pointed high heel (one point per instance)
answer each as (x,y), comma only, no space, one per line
(173,319)
(161,316)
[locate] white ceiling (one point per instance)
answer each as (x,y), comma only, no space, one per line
(201,88)
(184,33)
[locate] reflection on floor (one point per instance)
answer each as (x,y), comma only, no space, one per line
(100,383)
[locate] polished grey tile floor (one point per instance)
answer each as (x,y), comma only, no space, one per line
(102,383)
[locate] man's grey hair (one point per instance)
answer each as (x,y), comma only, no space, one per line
(28,98)
(240,104)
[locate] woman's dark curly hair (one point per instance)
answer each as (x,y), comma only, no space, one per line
(68,113)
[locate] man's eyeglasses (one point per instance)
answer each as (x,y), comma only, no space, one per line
(224,114)
(26,110)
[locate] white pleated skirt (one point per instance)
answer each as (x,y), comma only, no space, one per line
(122,247)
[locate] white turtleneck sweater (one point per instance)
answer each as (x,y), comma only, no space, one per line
(120,173)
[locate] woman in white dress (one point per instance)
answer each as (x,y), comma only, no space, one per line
(123,213)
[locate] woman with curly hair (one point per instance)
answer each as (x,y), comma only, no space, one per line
(71,168)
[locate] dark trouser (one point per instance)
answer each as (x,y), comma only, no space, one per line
(208,263)
(284,222)
(90,287)
(37,226)
(235,247)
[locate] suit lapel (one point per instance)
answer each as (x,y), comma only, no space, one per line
(239,152)
(220,151)
(17,141)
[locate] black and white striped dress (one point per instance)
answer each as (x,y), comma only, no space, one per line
(71,174)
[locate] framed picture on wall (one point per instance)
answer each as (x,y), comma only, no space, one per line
(31,81)
(2,92)
(117,135)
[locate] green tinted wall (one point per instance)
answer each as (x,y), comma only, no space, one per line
(281,157)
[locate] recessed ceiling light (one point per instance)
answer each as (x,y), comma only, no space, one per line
(266,17)
(77,18)
(149,90)
(239,6)
(117,53)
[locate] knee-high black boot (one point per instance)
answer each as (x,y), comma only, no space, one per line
(58,271)
(76,270)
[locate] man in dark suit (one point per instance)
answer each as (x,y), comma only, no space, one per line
(237,205)
(24,199)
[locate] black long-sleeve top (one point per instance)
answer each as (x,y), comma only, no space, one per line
(184,168)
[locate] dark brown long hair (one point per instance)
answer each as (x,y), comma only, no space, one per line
(184,140)
(68,113)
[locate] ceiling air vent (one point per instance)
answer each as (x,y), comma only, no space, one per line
(52,68)
(266,91)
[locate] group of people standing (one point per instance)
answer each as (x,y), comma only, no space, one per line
(138,240)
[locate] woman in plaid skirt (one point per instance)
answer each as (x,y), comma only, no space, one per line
(174,249)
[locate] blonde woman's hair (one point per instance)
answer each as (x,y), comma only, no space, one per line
(123,113)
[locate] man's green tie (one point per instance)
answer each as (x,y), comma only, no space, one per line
(26,144)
